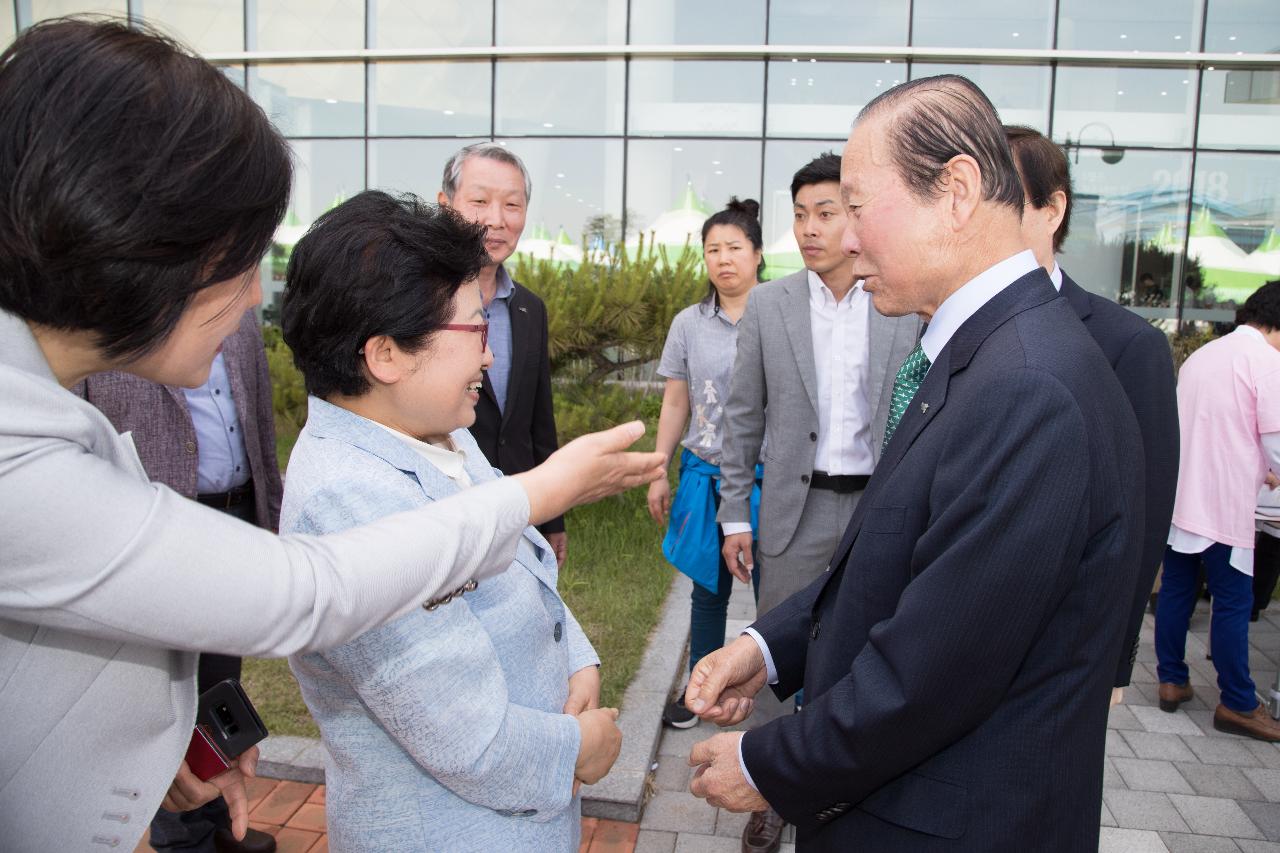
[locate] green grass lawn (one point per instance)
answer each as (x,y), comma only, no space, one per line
(614,581)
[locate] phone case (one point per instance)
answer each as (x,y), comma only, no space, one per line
(204,757)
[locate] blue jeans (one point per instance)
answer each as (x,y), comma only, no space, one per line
(708,610)
(1232,593)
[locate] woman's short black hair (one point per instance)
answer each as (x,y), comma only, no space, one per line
(745,215)
(1262,308)
(132,175)
(373,265)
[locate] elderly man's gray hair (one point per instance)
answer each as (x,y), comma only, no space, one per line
(489,151)
(934,119)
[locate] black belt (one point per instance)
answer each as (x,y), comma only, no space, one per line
(841,484)
(225,500)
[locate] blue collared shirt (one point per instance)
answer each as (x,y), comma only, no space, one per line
(222,463)
(498,313)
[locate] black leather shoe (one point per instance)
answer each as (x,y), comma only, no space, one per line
(255,841)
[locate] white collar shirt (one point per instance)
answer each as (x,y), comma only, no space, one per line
(972,295)
(841,354)
(447,458)
(1056,277)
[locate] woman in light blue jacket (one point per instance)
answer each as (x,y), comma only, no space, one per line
(469,723)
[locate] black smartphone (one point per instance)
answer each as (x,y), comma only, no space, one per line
(228,717)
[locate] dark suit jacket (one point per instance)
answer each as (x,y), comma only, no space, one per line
(1139,354)
(165,438)
(522,434)
(957,657)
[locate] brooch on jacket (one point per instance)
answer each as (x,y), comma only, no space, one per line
(469,586)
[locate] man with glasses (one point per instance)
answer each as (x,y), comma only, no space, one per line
(515,425)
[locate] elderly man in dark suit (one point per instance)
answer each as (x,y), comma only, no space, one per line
(958,656)
(215,444)
(515,424)
(1138,352)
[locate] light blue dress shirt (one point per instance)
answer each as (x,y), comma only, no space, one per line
(498,313)
(222,463)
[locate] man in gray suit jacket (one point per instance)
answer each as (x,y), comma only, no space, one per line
(214,444)
(811,387)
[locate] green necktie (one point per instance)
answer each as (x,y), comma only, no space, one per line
(905,385)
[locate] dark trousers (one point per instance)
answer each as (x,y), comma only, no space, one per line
(1266,570)
(1232,593)
(193,830)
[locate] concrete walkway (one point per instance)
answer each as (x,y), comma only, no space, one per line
(1172,783)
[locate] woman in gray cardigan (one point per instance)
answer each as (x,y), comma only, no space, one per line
(139,190)
(467,725)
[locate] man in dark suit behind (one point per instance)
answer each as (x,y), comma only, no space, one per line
(1138,352)
(958,656)
(515,424)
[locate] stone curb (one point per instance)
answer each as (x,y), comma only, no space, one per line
(621,794)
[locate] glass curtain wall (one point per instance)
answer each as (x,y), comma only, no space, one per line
(1175,166)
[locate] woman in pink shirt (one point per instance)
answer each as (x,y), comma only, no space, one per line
(1229,416)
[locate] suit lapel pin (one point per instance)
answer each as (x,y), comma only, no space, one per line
(523,309)
(924,408)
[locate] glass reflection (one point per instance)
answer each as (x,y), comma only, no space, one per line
(982,23)
(429,98)
(299,25)
(8,29)
(673,185)
(841,22)
(781,161)
(1129,25)
(1019,92)
(42,9)
(1242,26)
(1135,106)
(1233,246)
(697,98)
(556,22)
(442,23)
(208,26)
(698,22)
(577,195)
(530,97)
(411,165)
(809,98)
(1240,108)
(1128,226)
(234,73)
(323,99)
(325,174)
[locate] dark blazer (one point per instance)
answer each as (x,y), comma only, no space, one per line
(522,434)
(165,438)
(957,656)
(1139,354)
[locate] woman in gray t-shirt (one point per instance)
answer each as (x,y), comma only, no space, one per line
(697,362)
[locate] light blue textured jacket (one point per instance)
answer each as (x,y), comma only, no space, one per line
(444,728)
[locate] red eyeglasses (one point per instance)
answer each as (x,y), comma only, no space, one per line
(482,328)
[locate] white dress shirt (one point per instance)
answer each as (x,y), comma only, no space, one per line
(950,316)
(841,361)
(446,457)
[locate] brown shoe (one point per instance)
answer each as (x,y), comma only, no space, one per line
(763,833)
(1256,724)
(255,841)
(1173,695)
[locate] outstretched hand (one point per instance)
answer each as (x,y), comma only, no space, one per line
(723,685)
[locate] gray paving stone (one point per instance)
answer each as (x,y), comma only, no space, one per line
(1155,720)
(1140,695)
(1179,842)
(1268,754)
(1112,840)
(680,741)
(1265,815)
(1154,745)
(1111,778)
(1204,719)
(729,824)
(655,841)
(1144,810)
(681,813)
(1230,751)
(1123,719)
(1107,819)
(688,842)
(1142,674)
(1215,816)
(1145,774)
(1216,780)
(1266,781)
(1251,846)
(672,774)
(1116,745)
